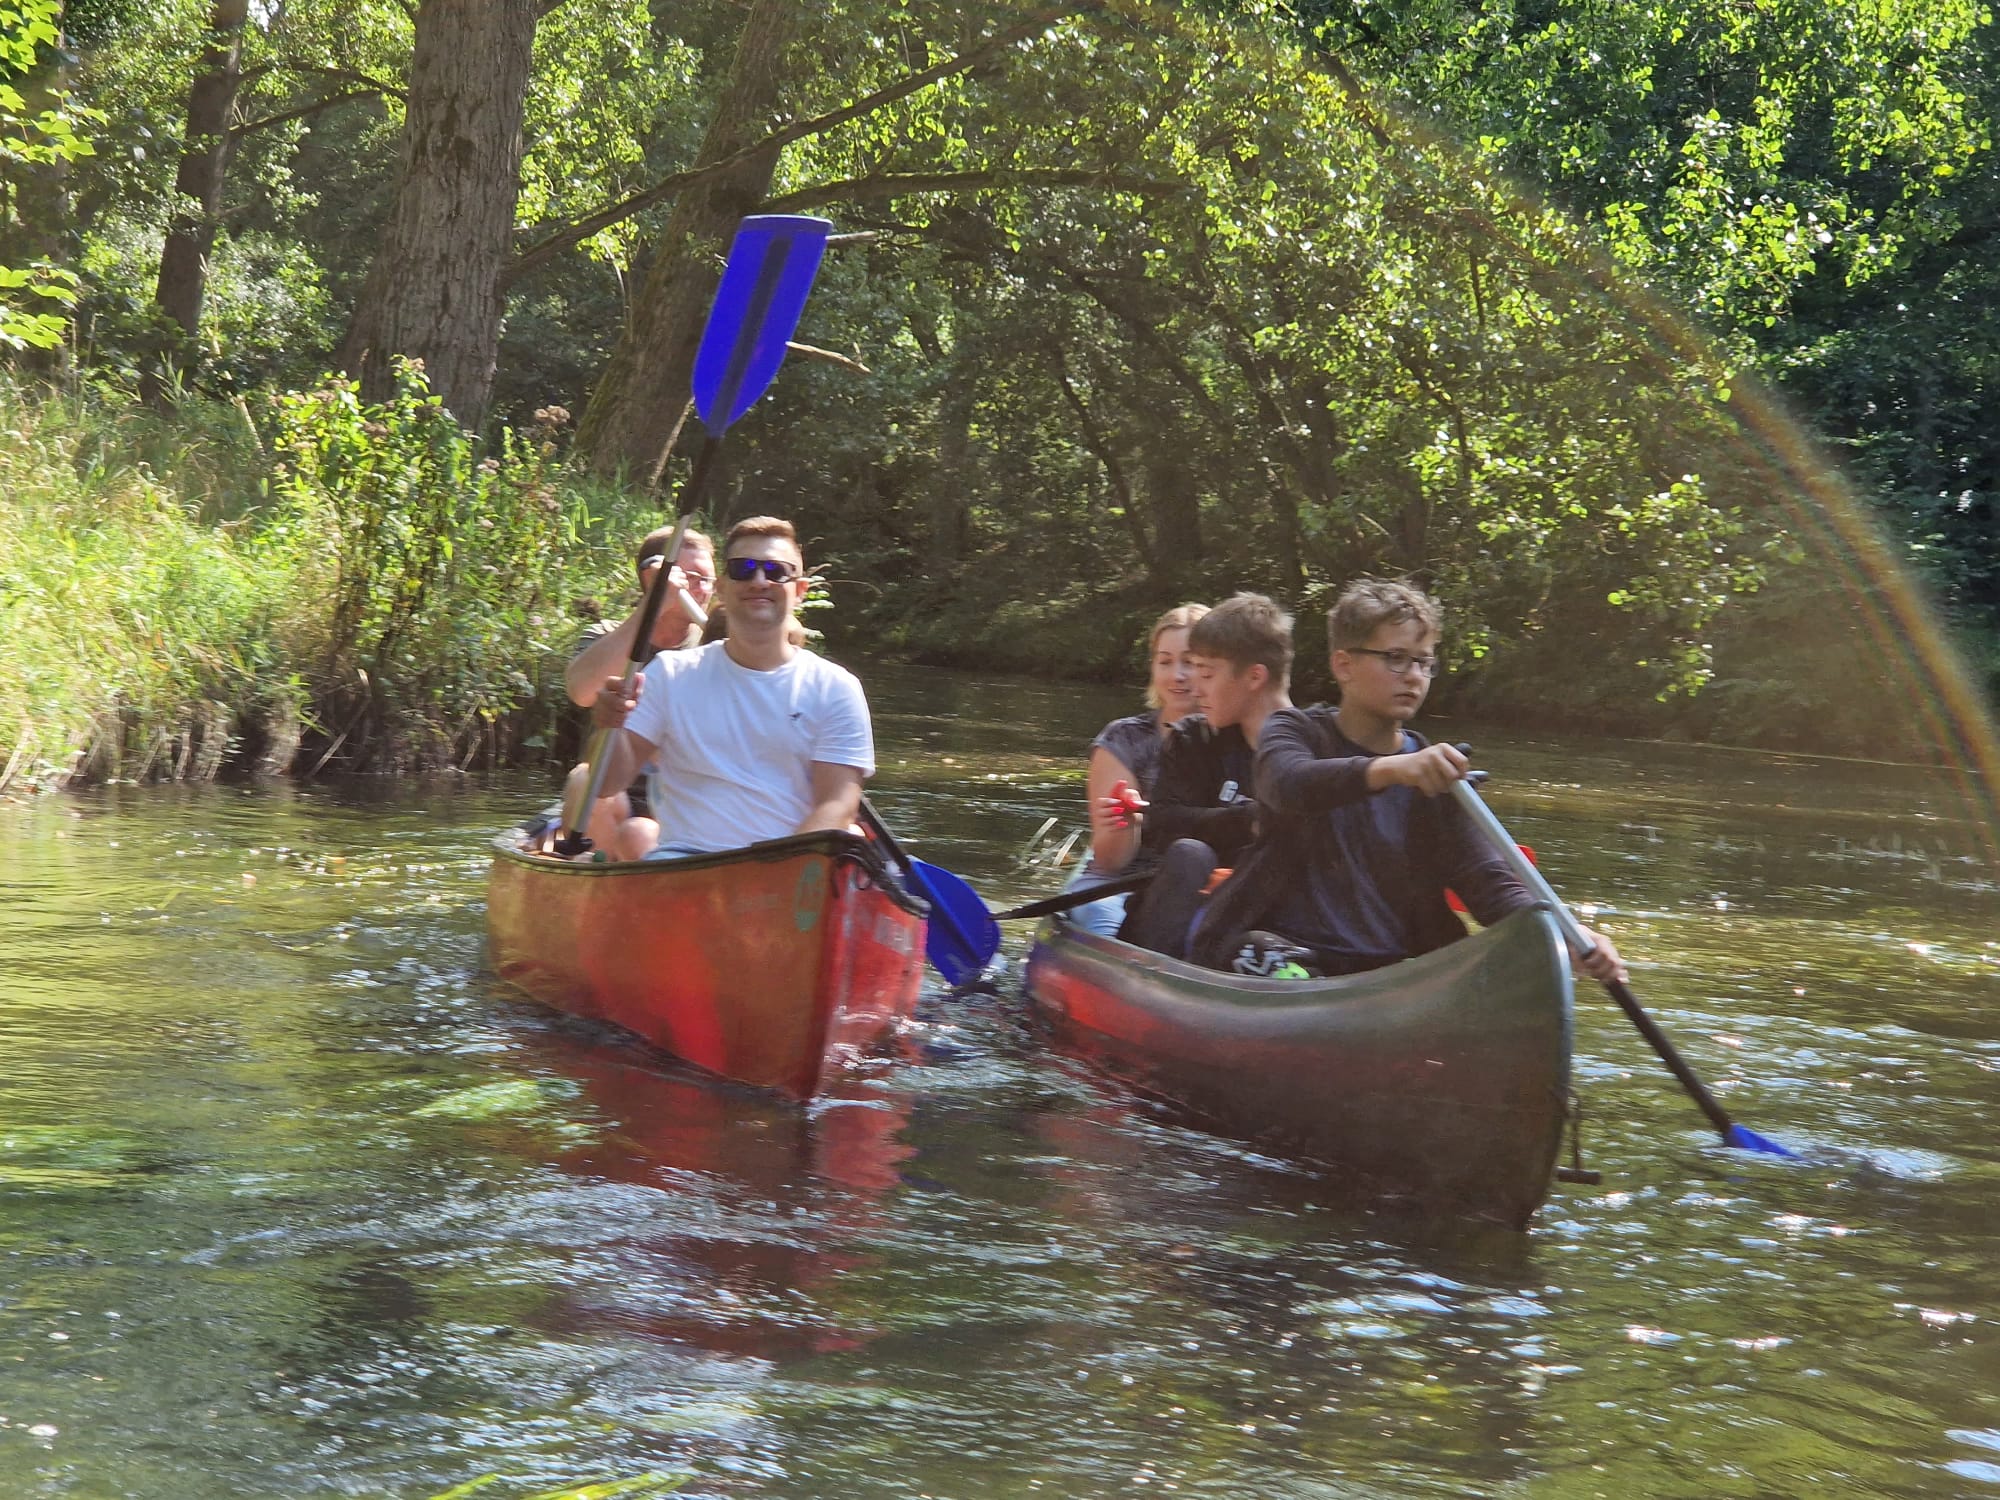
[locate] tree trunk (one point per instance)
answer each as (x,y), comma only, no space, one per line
(630,420)
(1099,443)
(39,226)
(1175,504)
(198,209)
(434,291)
(952,478)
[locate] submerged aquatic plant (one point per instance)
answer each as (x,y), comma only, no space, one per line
(639,1485)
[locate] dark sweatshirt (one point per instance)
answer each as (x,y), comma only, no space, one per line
(1201,790)
(1357,876)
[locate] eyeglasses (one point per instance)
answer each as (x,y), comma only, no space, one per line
(1400,662)
(695,579)
(743,569)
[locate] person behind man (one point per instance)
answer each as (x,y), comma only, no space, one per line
(1123,759)
(1201,813)
(1357,843)
(622,823)
(750,737)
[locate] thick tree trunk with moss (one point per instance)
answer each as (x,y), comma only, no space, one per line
(629,424)
(434,291)
(197,211)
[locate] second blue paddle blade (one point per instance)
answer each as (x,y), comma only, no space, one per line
(1744,1139)
(962,936)
(757,306)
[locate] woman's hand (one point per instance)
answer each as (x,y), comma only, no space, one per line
(1122,808)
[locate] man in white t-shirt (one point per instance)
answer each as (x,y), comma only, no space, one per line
(750,737)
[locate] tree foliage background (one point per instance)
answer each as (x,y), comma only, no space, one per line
(1160,301)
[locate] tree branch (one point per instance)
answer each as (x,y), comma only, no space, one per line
(346,75)
(831,356)
(550,246)
(248,126)
(882,185)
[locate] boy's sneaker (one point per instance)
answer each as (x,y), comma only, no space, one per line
(1265,955)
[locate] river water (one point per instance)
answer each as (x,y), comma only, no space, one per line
(296,1200)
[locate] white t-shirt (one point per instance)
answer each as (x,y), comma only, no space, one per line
(737,746)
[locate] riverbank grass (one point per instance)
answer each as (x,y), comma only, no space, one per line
(311,582)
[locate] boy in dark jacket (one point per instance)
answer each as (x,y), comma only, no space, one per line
(1356,845)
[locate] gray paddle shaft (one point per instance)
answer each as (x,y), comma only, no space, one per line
(1524,870)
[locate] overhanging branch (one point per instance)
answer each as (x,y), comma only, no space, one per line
(250,126)
(884,185)
(571,235)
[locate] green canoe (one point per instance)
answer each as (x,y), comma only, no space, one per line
(1443,1079)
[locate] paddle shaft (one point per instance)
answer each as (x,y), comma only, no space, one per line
(1584,945)
(1048,906)
(576,816)
(889,845)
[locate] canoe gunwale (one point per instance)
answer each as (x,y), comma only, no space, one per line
(834,843)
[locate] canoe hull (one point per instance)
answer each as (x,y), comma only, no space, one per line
(1444,1079)
(770,965)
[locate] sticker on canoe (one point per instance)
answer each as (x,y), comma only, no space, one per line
(894,935)
(810,896)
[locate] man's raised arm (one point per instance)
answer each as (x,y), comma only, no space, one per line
(611,653)
(625,752)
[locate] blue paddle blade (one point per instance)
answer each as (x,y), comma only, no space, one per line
(757,305)
(1749,1140)
(962,937)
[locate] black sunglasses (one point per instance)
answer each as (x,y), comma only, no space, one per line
(743,569)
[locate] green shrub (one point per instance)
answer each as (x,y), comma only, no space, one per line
(430,578)
(367,583)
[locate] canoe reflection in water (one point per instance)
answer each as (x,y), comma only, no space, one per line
(738,1211)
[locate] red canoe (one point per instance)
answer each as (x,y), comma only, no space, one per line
(770,965)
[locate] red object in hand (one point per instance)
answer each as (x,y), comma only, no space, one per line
(1125,803)
(1451,897)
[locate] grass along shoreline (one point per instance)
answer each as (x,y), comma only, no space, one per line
(314,584)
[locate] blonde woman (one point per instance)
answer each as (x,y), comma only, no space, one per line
(1123,759)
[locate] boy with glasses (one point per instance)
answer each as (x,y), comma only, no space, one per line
(750,737)
(1356,845)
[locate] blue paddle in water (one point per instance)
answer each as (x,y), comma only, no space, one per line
(764,286)
(1580,942)
(961,937)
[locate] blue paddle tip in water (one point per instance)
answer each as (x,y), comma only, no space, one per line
(962,936)
(1749,1140)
